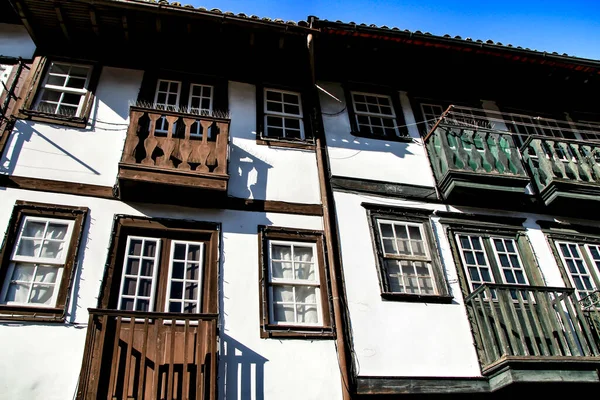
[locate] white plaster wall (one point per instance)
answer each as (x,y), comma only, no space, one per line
(262,172)
(249,367)
(394,338)
(89,155)
(380,160)
(15,42)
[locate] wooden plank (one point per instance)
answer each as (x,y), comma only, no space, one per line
(128,357)
(573,348)
(185,384)
(515,317)
(112,385)
(410,385)
(487,330)
(142,371)
(46,185)
(171,373)
(525,317)
(505,348)
(539,331)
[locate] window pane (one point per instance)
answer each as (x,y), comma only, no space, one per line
(52,249)
(129,286)
(179,251)
(283,294)
(34,229)
(305,271)
(143,305)
(23,272)
(178,270)
(135,247)
(176,290)
(133,266)
(275,96)
(190,308)
(127,304)
(193,271)
(149,248)
(303,253)
(193,253)
(274,121)
(174,307)
(29,247)
(283,313)
(147,267)
(46,274)
(18,292)
(307,314)
(306,294)
(191,291)
(281,269)
(41,294)
(279,252)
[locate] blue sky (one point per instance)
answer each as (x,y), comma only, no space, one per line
(567,26)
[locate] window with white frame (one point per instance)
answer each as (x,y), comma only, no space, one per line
(374,114)
(143,269)
(166,97)
(283,118)
(294,287)
(582,264)
(490,259)
(200,102)
(431,114)
(407,262)
(37,262)
(64,89)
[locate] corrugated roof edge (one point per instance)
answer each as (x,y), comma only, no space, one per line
(394,31)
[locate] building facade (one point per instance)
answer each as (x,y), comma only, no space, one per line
(198,204)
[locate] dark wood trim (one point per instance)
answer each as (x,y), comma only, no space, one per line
(46,185)
(387,189)
(487,222)
(106,192)
(20,211)
(379,385)
(272,142)
(402,214)
(268,330)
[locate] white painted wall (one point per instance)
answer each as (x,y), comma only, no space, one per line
(380,160)
(262,172)
(273,368)
(89,155)
(393,338)
(15,42)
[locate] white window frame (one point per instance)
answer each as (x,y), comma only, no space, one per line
(430,122)
(590,272)
(185,280)
(357,113)
(464,261)
(58,263)
(499,264)
(201,111)
(161,124)
(427,259)
(64,89)
(154,272)
(283,115)
(295,282)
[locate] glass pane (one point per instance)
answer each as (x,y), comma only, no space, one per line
(143,305)
(23,272)
(147,267)
(145,287)
(133,266)
(56,231)
(17,293)
(178,270)
(401,232)
(307,314)
(149,248)
(389,246)
(71,99)
(52,249)
(305,294)
(34,229)
(127,304)
(283,313)
(193,271)
(290,98)
(41,294)
(175,306)
(189,308)
(193,252)
(394,276)
(275,96)
(305,271)
(474,273)
(67,110)
(386,230)
(176,290)
(464,242)
(79,71)
(415,233)
(292,123)
(426,284)
(283,294)
(51,95)
(135,247)
(46,274)
(56,80)
(279,252)
(418,248)
(191,291)
(289,109)
(75,83)
(403,247)
(275,107)
(29,247)
(129,286)
(303,253)
(179,251)
(499,244)
(275,121)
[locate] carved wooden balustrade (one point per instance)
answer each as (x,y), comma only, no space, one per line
(591,309)
(175,156)
(140,355)
(466,160)
(529,322)
(563,168)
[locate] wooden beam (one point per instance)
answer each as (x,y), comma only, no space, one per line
(94,21)
(61,21)
(433,385)
(23,15)
(158,25)
(125,27)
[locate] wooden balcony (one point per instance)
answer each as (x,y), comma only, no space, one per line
(470,159)
(528,333)
(182,163)
(137,355)
(591,309)
(566,173)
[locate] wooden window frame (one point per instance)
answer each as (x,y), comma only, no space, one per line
(308,140)
(23,209)
(402,134)
(376,213)
(34,85)
(177,230)
(579,234)
(268,330)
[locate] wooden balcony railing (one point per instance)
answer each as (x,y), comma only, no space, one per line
(555,162)
(191,150)
(529,322)
(591,309)
(139,355)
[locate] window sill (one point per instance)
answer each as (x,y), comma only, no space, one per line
(76,122)
(402,139)
(296,332)
(417,298)
(272,142)
(31,314)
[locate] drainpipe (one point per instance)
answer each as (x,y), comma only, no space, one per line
(330,228)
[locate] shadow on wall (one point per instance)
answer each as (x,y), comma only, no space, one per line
(360,144)
(241,371)
(75,301)
(248,174)
(23,132)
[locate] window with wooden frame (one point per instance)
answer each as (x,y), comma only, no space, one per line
(491,250)
(59,91)
(294,284)
(409,267)
(38,259)
(162,266)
